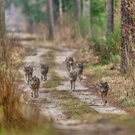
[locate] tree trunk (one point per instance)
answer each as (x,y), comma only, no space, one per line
(89,18)
(87,13)
(60,12)
(123,39)
(127,32)
(78,8)
(2,17)
(50,19)
(29,24)
(109,17)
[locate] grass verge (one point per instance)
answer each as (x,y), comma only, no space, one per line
(54,82)
(73,107)
(13,119)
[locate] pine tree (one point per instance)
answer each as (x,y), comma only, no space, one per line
(109,17)
(50,19)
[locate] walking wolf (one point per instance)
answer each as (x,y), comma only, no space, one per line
(79,69)
(69,63)
(103,89)
(44,71)
(34,85)
(28,72)
(72,76)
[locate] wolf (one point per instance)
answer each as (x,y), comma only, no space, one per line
(44,71)
(28,72)
(72,77)
(69,63)
(103,90)
(79,69)
(34,85)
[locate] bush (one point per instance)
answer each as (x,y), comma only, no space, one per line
(80,28)
(83,26)
(107,49)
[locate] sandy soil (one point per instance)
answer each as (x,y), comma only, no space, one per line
(85,94)
(46,103)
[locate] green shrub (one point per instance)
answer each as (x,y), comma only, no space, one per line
(80,28)
(107,49)
(83,26)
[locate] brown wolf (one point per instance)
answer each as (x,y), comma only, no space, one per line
(72,76)
(103,90)
(28,72)
(44,71)
(79,69)
(34,85)
(69,63)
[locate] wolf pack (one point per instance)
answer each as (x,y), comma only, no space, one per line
(32,80)
(74,72)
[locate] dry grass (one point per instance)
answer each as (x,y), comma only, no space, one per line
(9,97)
(10,116)
(65,35)
(121,86)
(13,118)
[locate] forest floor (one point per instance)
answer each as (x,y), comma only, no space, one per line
(77,112)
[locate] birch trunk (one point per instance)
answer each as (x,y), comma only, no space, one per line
(60,12)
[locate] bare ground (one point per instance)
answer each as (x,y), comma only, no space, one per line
(85,94)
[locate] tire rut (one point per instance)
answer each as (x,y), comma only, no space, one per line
(85,94)
(47,104)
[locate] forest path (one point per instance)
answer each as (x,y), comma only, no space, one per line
(85,94)
(47,103)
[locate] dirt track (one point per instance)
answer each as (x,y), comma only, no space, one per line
(47,104)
